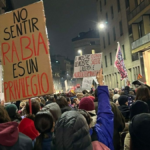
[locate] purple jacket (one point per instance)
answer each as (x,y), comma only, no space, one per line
(105,118)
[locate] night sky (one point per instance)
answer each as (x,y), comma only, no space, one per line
(65,19)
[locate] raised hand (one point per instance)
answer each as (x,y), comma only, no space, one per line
(99,77)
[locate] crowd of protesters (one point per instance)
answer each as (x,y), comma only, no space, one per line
(99,120)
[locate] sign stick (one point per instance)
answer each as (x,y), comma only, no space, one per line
(30,106)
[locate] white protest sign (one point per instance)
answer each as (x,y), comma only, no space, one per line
(87,83)
(87,65)
(66,85)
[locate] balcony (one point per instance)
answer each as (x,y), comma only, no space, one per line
(143,40)
(2,3)
(138,9)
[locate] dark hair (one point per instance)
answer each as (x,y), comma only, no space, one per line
(68,99)
(17,116)
(43,123)
(4,117)
(143,93)
(111,96)
(86,116)
(35,107)
(61,101)
(85,92)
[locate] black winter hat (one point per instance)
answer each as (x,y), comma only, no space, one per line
(139,129)
(138,107)
(122,100)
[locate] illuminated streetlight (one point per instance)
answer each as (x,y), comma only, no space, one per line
(80,52)
(101,25)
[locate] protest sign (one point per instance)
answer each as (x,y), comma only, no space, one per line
(87,65)
(25,53)
(87,83)
(66,85)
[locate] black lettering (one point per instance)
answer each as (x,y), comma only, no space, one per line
(7,33)
(34,66)
(24,22)
(26,14)
(22,69)
(11,29)
(34,21)
(19,29)
(14,71)
(30,25)
(15,17)
(29,70)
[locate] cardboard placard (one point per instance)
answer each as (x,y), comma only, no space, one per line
(87,65)
(87,83)
(25,53)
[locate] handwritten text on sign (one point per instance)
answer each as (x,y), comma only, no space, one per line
(87,65)
(25,54)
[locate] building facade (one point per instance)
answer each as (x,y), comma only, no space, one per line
(114,15)
(87,42)
(2,6)
(139,24)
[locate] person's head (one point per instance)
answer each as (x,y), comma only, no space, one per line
(22,105)
(123,100)
(54,110)
(84,91)
(72,132)
(111,96)
(51,98)
(42,100)
(122,93)
(115,97)
(138,107)
(61,101)
(80,96)
(35,107)
(13,112)
(4,117)
(131,92)
(143,93)
(68,101)
(139,130)
(44,124)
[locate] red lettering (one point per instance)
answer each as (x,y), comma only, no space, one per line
(35,94)
(14,50)
(26,47)
(4,53)
(21,82)
(27,86)
(11,94)
(17,90)
(5,89)
(46,77)
(39,83)
(34,44)
(40,37)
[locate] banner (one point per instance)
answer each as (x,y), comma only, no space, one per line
(87,65)
(119,63)
(25,53)
(87,83)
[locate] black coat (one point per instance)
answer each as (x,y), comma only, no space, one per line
(125,111)
(72,132)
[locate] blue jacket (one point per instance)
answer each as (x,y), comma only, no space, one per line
(105,118)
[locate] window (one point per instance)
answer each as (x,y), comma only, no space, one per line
(108,38)
(110,59)
(127,3)
(121,29)
(124,54)
(104,42)
(100,3)
(118,3)
(141,29)
(114,33)
(106,17)
(106,61)
(112,12)
(104,2)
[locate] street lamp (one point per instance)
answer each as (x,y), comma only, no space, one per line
(101,25)
(80,52)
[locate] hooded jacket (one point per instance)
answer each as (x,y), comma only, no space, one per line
(72,132)
(105,119)
(11,139)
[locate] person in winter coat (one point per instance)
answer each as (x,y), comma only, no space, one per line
(139,130)
(13,113)
(10,138)
(123,102)
(137,108)
(26,126)
(45,124)
(119,125)
(102,131)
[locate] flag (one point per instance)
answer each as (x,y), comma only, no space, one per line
(119,63)
(139,76)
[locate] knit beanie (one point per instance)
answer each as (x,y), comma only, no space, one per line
(11,109)
(87,104)
(139,129)
(138,107)
(122,100)
(27,127)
